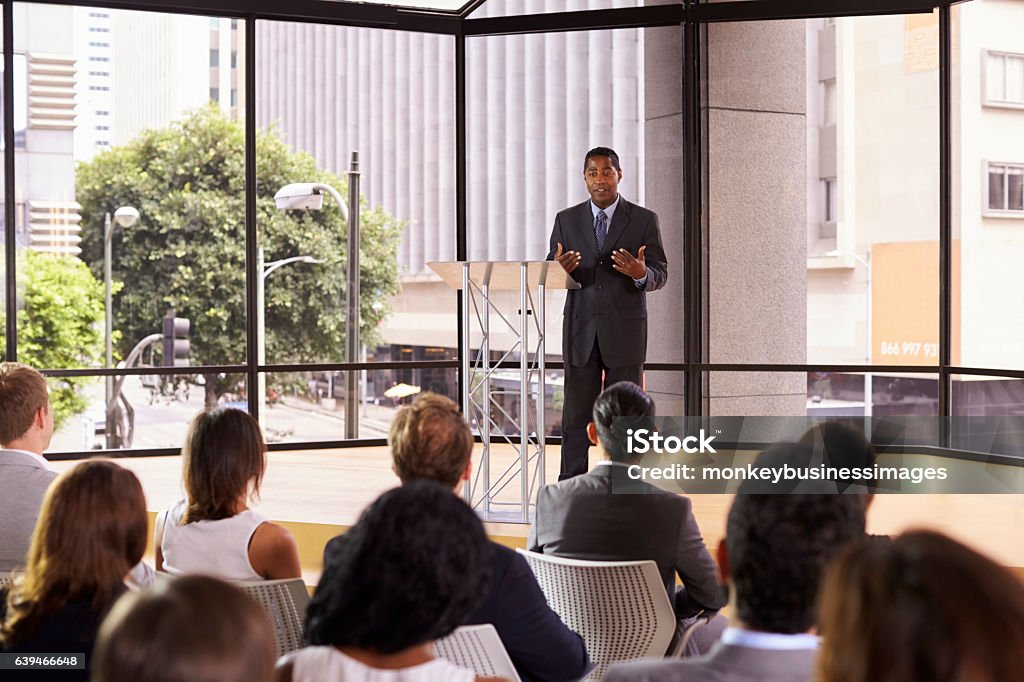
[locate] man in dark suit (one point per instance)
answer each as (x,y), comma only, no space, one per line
(589,517)
(612,248)
(773,557)
(430,439)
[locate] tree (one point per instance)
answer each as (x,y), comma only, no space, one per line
(60,324)
(187,251)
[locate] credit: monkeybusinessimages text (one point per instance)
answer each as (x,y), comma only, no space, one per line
(644,441)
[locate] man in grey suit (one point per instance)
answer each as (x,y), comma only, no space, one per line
(26,426)
(582,518)
(773,557)
(612,248)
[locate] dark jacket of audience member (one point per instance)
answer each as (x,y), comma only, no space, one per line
(431,440)
(583,518)
(91,531)
(922,607)
(192,629)
(413,568)
(26,426)
(773,557)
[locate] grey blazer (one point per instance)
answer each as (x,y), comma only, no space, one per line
(580,518)
(23,482)
(724,663)
(608,307)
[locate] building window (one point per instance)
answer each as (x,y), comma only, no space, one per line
(94,58)
(1004,79)
(99,29)
(234,59)
(94,44)
(830,101)
(99,87)
(99,73)
(215,94)
(102,127)
(1006,188)
(99,15)
(103,113)
(830,190)
(234,97)
(214,57)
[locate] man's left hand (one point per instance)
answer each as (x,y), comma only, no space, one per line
(624,262)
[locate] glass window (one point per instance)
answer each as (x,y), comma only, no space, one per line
(780,294)
(1004,78)
(540,102)
(988,200)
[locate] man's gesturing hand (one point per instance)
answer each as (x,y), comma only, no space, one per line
(625,263)
(569,260)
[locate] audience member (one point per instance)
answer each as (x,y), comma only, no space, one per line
(192,629)
(922,607)
(839,444)
(26,426)
(775,551)
(431,440)
(213,531)
(414,567)
(581,518)
(91,531)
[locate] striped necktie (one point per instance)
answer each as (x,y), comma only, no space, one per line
(600,229)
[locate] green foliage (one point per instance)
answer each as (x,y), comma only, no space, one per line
(187,251)
(60,323)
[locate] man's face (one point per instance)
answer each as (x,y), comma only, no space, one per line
(602,181)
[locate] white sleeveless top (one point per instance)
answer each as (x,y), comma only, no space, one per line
(327,664)
(217,548)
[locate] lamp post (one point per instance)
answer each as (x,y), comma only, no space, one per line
(125,217)
(866,262)
(309,195)
(261,342)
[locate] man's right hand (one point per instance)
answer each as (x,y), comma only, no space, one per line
(570,260)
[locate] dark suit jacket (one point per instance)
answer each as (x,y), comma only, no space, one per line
(724,663)
(608,307)
(540,645)
(580,518)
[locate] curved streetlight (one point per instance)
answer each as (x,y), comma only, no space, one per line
(261,342)
(309,195)
(125,216)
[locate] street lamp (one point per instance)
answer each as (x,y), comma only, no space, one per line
(309,195)
(125,217)
(866,262)
(261,342)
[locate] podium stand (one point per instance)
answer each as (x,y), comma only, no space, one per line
(477,280)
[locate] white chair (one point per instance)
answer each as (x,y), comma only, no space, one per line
(285,602)
(620,608)
(477,648)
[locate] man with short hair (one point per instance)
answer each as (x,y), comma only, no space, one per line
(613,249)
(430,439)
(26,427)
(773,557)
(583,518)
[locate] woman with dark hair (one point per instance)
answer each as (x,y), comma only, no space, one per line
(91,531)
(213,531)
(922,607)
(193,629)
(415,567)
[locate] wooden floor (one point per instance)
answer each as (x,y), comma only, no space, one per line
(319,493)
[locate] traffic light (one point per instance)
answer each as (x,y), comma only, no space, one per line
(176,344)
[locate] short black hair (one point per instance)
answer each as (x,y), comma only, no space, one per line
(840,444)
(415,567)
(603,151)
(778,548)
(623,399)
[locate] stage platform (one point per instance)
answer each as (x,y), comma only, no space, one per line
(320,493)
